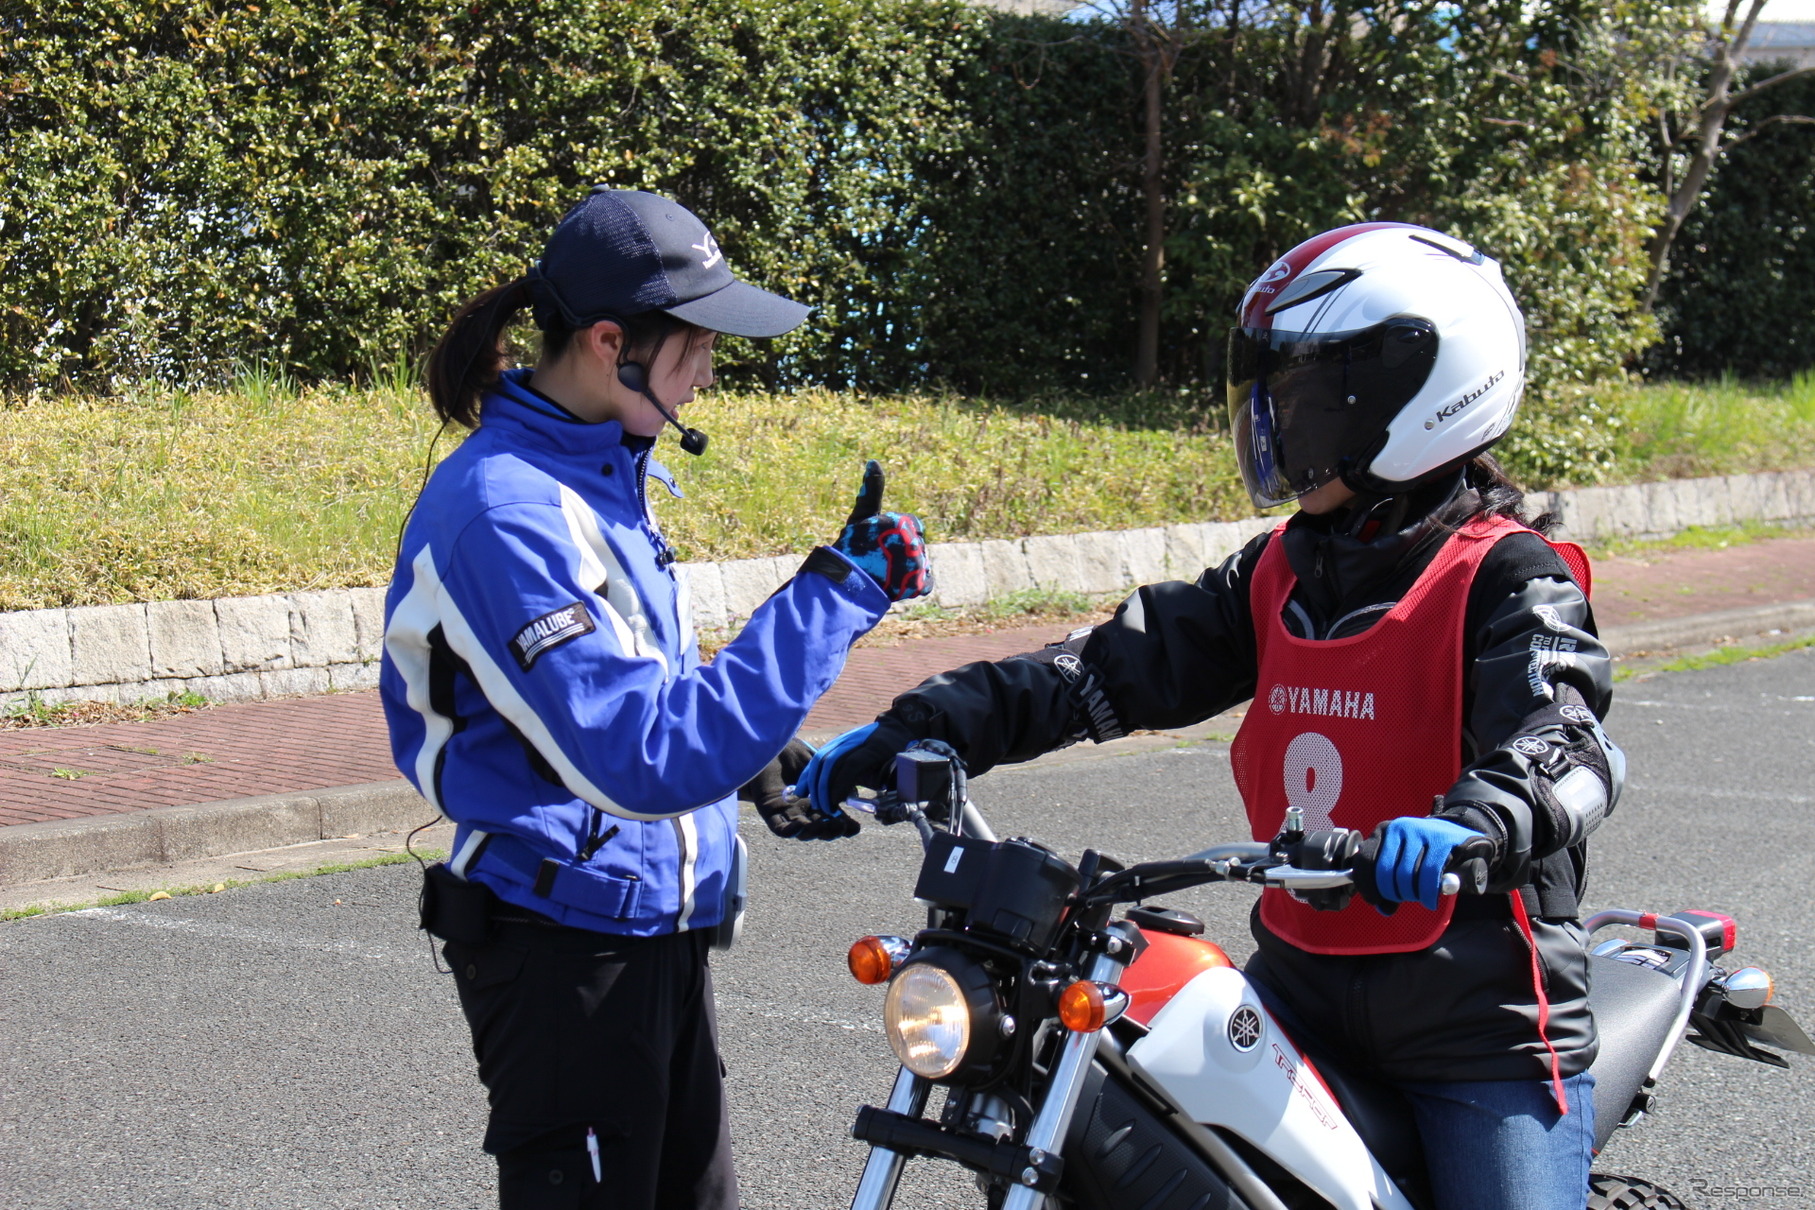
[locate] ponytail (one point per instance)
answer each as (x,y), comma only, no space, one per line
(1500,495)
(470,355)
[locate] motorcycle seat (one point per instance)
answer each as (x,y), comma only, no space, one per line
(1634,1008)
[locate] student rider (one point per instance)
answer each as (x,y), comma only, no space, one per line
(544,690)
(1423,667)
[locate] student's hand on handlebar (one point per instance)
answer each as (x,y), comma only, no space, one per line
(854,759)
(889,547)
(1414,851)
(789,817)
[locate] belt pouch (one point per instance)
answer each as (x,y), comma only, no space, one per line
(454,909)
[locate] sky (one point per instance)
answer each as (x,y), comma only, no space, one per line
(1776,10)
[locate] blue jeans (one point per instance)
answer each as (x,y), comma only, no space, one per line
(1502,1145)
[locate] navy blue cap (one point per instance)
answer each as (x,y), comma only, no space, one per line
(622,252)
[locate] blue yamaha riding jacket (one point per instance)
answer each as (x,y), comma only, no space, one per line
(543,684)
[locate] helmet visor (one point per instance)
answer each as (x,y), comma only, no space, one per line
(1304,406)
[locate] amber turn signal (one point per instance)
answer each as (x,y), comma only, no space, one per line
(1082,1008)
(870,960)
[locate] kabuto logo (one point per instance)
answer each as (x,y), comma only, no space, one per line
(1331,703)
(1444,413)
(549,630)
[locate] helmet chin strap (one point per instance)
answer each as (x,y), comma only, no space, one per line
(1388,511)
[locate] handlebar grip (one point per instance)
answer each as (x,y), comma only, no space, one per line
(1468,867)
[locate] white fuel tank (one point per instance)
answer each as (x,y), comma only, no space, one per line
(1226,1061)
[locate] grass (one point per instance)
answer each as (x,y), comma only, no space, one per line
(34,711)
(1679,430)
(1720,657)
(1698,537)
(271,487)
(172,892)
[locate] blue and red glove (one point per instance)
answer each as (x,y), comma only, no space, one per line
(889,547)
(1415,852)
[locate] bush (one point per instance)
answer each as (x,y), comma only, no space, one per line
(319,185)
(316,187)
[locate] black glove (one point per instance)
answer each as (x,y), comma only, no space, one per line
(788,817)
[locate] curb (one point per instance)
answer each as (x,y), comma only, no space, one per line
(1704,629)
(252,648)
(39,852)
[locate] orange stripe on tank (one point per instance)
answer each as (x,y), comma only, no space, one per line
(1167,964)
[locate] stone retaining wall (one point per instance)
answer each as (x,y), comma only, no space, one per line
(244,648)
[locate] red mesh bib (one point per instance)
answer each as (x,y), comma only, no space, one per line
(1360,730)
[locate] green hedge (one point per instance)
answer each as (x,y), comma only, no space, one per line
(316,186)
(196,186)
(1740,295)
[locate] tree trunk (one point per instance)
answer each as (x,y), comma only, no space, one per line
(1711,122)
(1152,62)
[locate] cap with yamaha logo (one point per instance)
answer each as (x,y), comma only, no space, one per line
(622,252)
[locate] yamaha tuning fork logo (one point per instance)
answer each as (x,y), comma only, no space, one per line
(1244,1029)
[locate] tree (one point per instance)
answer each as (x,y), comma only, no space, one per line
(1702,131)
(1156,50)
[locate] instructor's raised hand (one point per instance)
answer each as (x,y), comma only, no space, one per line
(889,547)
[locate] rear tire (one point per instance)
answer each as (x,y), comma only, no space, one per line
(1606,1192)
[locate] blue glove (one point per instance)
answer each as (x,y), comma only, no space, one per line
(1415,850)
(836,770)
(889,547)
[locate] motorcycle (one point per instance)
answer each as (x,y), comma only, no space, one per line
(1095,1051)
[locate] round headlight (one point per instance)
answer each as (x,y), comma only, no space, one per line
(928,1019)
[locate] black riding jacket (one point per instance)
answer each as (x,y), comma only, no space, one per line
(1177,653)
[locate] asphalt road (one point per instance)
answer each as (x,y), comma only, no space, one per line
(290,1045)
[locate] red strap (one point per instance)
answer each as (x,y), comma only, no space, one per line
(1537,987)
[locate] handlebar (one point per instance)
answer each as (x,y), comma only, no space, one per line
(931,780)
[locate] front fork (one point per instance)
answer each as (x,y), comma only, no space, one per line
(882,1171)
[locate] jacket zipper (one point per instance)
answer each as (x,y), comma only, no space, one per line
(664,557)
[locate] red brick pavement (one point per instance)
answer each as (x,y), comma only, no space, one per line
(315,743)
(239,751)
(1679,583)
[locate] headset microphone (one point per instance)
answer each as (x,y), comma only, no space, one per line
(632,375)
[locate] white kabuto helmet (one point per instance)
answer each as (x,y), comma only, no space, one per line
(1382,354)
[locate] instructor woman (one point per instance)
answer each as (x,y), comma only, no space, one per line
(544,690)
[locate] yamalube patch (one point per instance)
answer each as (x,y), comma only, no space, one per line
(550,630)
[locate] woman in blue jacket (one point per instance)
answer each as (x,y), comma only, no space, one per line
(544,690)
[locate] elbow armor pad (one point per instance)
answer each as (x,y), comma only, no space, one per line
(1578,775)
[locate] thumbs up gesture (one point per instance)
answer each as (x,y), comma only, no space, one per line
(889,547)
